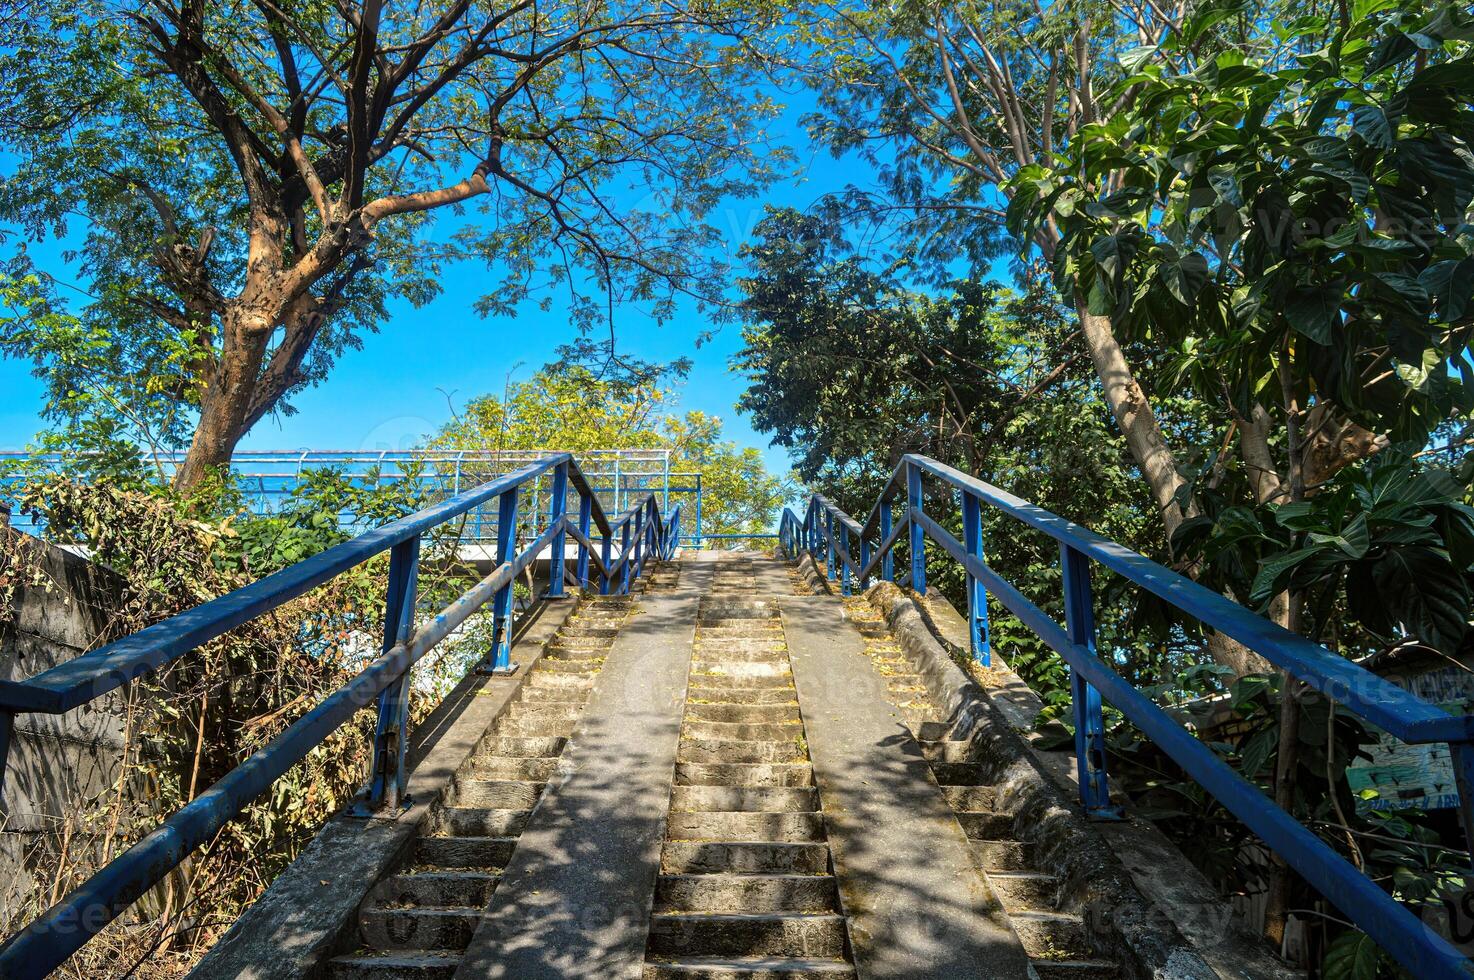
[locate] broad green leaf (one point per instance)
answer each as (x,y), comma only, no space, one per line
(1314,311)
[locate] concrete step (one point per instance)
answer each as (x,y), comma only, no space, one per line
(417,928)
(592,627)
(523,747)
(701,694)
(970,797)
(745,893)
(734,682)
(464,852)
(559,679)
(1051,935)
(744,857)
(744,798)
(476,821)
(510,767)
(739,826)
(746,968)
(758,731)
(1024,891)
(581,666)
(740,652)
(814,936)
(986,824)
(744,774)
(500,794)
(1001,855)
(470,889)
(1051,969)
(729,668)
(904,685)
(733,750)
(582,641)
(532,694)
(950,751)
(740,629)
(761,713)
(374,965)
(960,773)
(520,725)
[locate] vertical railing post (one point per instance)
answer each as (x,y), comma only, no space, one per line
(844,557)
(606,551)
(918,533)
(977,596)
(1461,755)
(1090,758)
(500,659)
(625,556)
(639,539)
(888,560)
(557,510)
(696,539)
(829,542)
(391,738)
(864,561)
(585,522)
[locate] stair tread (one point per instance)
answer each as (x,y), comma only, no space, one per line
(759,963)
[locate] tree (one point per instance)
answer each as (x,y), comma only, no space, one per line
(258,179)
(1288,221)
(568,406)
(851,371)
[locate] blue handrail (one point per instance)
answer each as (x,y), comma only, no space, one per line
(825,533)
(642,531)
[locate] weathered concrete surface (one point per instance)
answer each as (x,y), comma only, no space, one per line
(58,763)
(1129,878)
(313,905)
(575,899)
(917,907)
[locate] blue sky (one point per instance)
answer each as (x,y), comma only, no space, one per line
(400,386)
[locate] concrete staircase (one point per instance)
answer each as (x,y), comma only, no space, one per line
(419,921)
(1055,938)
(756,786)
(746,886)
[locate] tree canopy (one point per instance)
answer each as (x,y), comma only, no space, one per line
(244,187)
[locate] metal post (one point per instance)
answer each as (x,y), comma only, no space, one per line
(605,552)
(639,538)
(977,596)
(500,660)
(625,556)
(391,735)
(585,521)
(617,508)
(1461,755)
(829,539)
(864,561)
(697,543)
(844,567)
(888,560)
(918,534)
(557,509)
(1090,759)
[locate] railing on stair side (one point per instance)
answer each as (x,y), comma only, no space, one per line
(638,534)
(826,533)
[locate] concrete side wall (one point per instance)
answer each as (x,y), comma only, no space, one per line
(57,762)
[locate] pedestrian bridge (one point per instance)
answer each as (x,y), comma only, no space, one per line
(722,765)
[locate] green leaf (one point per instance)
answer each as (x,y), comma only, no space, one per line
(1372,125)
(1275,572)
(1353,956)
(1314,311)
(1423,591)
(1449,284)
(1185,277)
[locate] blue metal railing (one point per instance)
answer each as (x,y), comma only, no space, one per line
(825,533)
(642,532)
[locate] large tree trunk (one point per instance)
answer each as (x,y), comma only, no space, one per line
(226,400)
(1134,416)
